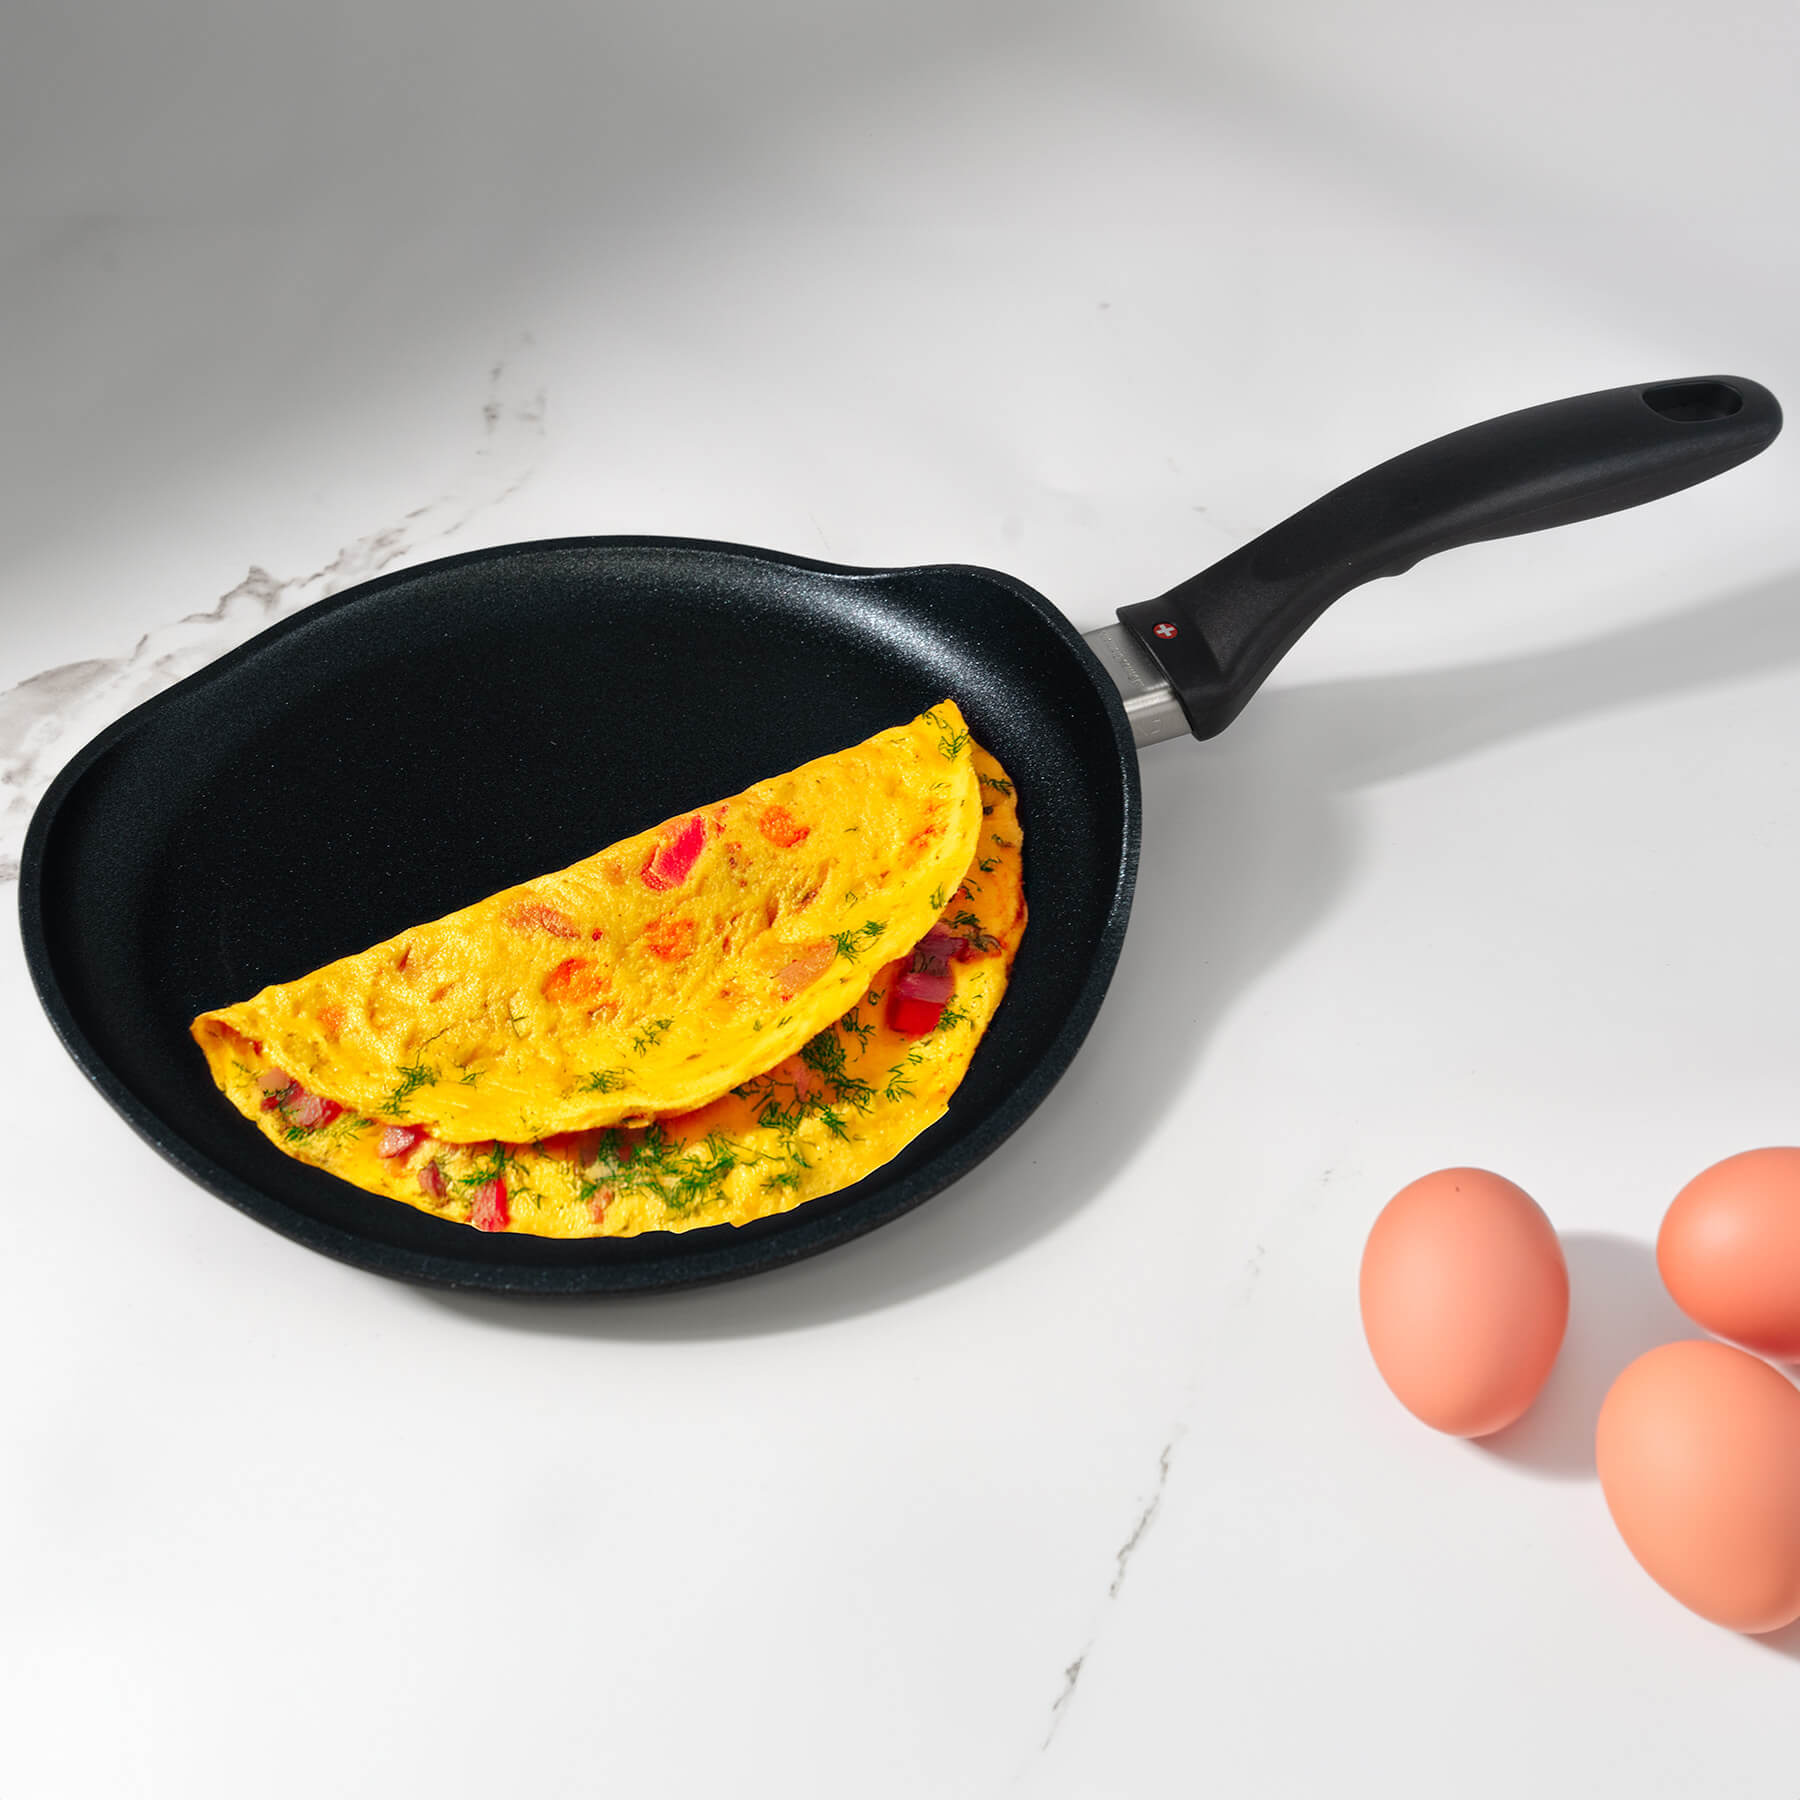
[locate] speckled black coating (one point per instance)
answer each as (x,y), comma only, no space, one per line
(407,747)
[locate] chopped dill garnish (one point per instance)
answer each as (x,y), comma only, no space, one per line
(787,1120)
(650,1036)
(852,1022)
(850,899)
(469,1077)
(602,1081)
(850,943)
(515,1018)
(499,1160)
(950,1018)
(983,940)
(998,783)
(824,1055)
(938,897)
(659,1166)
(703,1170)
(988,864)
(899,1083)
(611,1149)
(413,1076)
(952,743)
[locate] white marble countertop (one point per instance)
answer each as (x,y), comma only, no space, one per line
(1078,1481)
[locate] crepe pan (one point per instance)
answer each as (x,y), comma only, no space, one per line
(417,742)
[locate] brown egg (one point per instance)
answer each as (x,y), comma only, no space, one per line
(1729,1250)
(1698,1449)
(1465,1296)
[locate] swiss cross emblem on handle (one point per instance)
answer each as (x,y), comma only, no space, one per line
(1164,630)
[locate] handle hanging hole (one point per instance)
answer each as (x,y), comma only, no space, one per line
(1694,402)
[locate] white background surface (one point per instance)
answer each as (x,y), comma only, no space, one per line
(1078,1481)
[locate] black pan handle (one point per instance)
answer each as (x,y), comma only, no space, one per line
(1218,636)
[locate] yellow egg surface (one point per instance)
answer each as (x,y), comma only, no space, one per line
(821,1116)
(651,977)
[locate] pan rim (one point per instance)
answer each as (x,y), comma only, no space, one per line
(810,1232)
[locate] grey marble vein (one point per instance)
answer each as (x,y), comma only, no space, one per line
(1121,1561)
(1071,1675)
(47,716)
(1242,1294)
(1129,1547)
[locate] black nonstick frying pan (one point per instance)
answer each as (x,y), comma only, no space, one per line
(407,747)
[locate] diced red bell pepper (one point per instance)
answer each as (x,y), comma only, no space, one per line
(491,1211)
(934,987)
(278,1088)
(910,1017)
(674,857)
(397,1140)
(312,1112)
(922,990)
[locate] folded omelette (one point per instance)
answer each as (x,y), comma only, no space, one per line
(746,1007)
